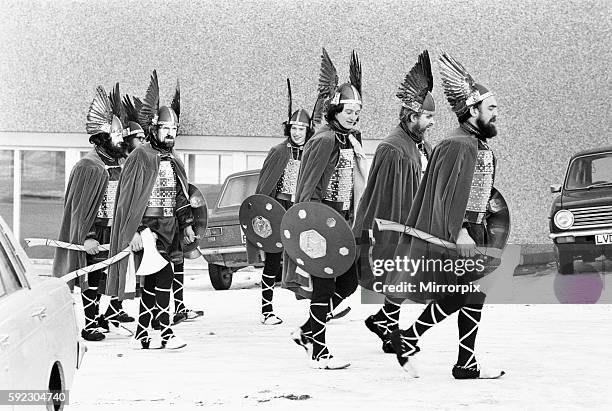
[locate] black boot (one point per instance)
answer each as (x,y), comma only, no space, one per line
(92,335)
(475,372)
(377,326)
(123,317)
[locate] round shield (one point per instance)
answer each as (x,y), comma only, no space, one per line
(260,218)
(200,221)
(318,239)
(498,221)
(498,231)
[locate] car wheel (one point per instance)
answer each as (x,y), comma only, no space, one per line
(56,386)
(220,276)
(565,261)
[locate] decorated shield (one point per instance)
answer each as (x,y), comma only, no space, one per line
(260,218)
(200,221)
(318,239)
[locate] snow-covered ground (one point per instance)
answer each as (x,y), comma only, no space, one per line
(555,356)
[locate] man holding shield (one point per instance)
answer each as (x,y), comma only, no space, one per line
(278,179)
(453,203)
(332,173)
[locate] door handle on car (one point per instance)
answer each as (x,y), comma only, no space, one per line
(40,313)
(4,341)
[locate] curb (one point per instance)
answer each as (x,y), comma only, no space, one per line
(540,258)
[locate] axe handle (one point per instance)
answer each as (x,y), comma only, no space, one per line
(386,225)
(32,242)
(97,266)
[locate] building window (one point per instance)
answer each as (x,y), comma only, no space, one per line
(209,168)
(6,186)
(42,197)
(255,161)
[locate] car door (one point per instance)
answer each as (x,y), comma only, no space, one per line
(60,324)
(22,312)
(5,381)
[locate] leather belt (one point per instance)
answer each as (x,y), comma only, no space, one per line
(103,222)
(159,212)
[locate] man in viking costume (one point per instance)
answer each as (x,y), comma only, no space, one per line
(152,200)
(399,163)
(278,179)
(88,208)
(453,203)
(333,173)
(134,137)
(115,313)
(134,134)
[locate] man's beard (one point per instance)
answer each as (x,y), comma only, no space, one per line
(419,133)
(131,145)
(487,130)
(115,151)
(165,145)
(422,132)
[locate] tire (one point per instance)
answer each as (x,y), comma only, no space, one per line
(565,261)
(56,385)
(220,276)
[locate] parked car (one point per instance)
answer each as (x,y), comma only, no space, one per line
(40,347)
(581,215)
(225,248)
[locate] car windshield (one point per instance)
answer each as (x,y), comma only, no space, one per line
(589,171)
(237,189)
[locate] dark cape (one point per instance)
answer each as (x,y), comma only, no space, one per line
(393,182)
(271,171)
(272,168)
(84,192)
(438,209)
(135,186)
(321,154)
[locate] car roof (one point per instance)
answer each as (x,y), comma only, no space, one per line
(593,151)
(245,172)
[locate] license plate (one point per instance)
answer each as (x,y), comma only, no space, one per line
(603,238)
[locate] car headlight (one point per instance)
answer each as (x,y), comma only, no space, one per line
(564,219)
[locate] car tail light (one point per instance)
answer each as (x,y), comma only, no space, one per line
(564,219)
(213,232)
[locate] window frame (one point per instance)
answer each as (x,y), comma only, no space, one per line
(15,261)
(226,185)
(581,158)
